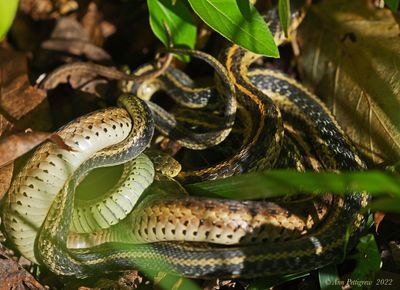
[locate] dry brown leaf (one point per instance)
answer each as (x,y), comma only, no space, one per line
(91,22)
(23,142)
(70,37)
(350,54)
(47,9)
(5,125)
(6,174)
(13,276)
(378,218)
(21,103)
(77,47)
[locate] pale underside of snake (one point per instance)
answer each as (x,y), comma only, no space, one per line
(257,237)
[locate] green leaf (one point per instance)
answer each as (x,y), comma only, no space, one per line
(173,282)
(238,21)
(393,4)
(388,204)
(329,278)
(7,13)
(340,62)
(368,262)
(280,182)
(178,18)
(284,15)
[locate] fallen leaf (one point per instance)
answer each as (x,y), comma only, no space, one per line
(70,37)
(47,9)
(378,218)
(5,125)
(21,143)
(37,9)
(92,24)
(350,55)
(77,47)
(13,276)
(20,102)
(6,174)
(395,251)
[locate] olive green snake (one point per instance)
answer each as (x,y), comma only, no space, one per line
(258,237)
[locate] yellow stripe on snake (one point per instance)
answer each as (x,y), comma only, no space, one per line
(256,237)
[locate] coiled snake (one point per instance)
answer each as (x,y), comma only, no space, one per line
(258,237)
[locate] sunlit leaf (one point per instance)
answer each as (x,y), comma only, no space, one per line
(239,22)
(350,55)
(279,182)
(7,13)
(179,20)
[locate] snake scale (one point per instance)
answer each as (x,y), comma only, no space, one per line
(256,237)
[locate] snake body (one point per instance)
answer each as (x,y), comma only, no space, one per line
(181,88)
(91,137)
(112,207)
(258,238)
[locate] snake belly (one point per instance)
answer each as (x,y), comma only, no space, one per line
(249,249)
(309,249)
(34,188)
(160,218)
(324,145)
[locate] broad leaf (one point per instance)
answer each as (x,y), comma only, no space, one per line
(7,13)
(350,55)
(368,260)
(329,278)
(393,4)
(284,14)
(179,20)
(280,182)
(238,21)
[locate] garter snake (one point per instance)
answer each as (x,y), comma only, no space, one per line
(322,244)
(181,88)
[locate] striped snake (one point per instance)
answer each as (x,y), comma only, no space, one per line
(257,237)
